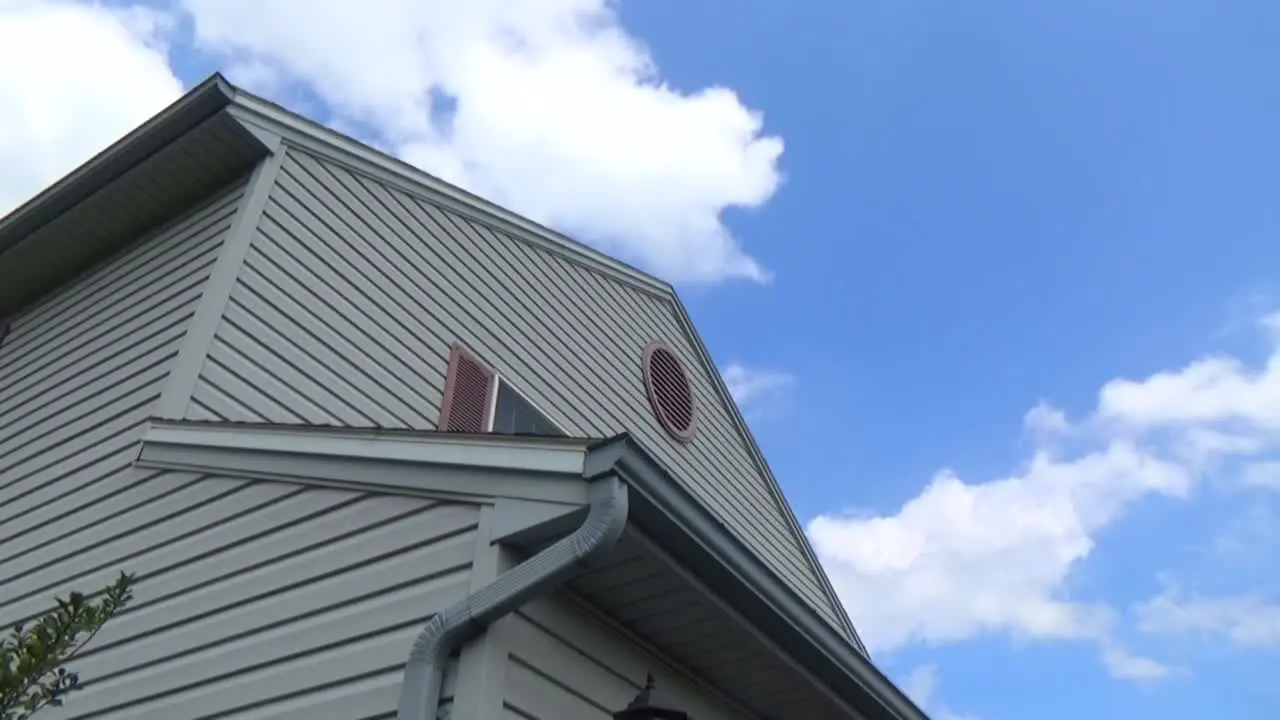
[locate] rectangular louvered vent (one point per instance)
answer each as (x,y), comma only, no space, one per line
(478,400)
(468,388)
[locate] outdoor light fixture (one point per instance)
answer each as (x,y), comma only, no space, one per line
(647,707)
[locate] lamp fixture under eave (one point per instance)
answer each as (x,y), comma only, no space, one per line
(646,706)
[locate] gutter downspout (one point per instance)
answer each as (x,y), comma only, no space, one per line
(447,630)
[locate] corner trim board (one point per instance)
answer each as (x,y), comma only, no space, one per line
(181,383)
(514,518)
(540,574)
(272,140)
(482,664)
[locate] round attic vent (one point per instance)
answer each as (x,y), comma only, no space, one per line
(670,392)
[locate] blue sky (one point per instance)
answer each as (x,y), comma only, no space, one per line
(996,282)
(986,207)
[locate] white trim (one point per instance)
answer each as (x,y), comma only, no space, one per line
(493,403)
(178,388)
(482,662)
(491,410)
(513,517)
(494,452)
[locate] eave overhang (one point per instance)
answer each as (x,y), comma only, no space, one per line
(212,136)
(673,518)
(476,466)
(182,155)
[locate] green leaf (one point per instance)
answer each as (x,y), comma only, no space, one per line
(33,672)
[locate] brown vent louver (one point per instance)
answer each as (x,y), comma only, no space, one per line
(467,389)
(670,391)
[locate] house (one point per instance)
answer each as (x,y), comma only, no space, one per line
(375,446)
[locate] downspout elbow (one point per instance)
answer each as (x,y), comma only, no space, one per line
(533,578)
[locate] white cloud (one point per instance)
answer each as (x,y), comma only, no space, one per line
(555,111)
(1045,421)
(921,685)
(750,386)
(1123,664)
(1245,620)
(546,106)
(963,559)
(1211,392)
(74,78)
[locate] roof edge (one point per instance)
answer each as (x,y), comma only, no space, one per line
(762,465)
(528,453)
(180,117)
(837,661)
(342,457)
(447,466)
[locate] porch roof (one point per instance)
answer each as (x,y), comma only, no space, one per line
(711,603)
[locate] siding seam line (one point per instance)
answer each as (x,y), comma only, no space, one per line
(185,374)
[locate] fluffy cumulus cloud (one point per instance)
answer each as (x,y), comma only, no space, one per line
(965,558)
(547,106)
(73,78)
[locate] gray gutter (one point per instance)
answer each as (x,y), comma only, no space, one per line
(446,631)
(198,105)
(670,515)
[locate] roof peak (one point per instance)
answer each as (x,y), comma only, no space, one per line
(283,119)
